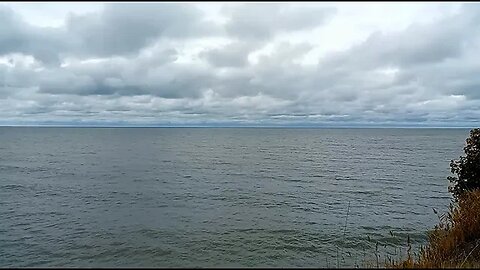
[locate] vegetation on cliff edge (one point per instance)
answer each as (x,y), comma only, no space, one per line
(455,241)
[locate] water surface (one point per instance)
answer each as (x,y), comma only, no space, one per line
(171,197)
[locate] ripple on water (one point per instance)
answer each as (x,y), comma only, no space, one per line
(216,197)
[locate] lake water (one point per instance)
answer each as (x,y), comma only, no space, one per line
(171,197)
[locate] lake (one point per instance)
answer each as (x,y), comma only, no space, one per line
(199,197)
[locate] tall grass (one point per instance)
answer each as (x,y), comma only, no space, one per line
(455,241)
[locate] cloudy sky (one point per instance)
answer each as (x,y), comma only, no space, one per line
(322,64)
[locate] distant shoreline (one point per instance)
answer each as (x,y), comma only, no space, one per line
(250,127)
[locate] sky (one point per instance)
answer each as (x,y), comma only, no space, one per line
(240,64)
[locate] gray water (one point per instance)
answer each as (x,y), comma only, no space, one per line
(199,197)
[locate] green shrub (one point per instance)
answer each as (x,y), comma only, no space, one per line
(467,168)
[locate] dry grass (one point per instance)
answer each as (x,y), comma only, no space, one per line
(455,241)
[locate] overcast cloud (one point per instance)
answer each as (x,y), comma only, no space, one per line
(405,64)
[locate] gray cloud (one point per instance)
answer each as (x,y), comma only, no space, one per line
(234,54)
(16,36)
(125,28)
(261,20)
(118,29)
(127,63)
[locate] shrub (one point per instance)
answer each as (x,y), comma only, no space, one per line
(455,241)
(467,168)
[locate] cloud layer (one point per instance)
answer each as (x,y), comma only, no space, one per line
(250,64)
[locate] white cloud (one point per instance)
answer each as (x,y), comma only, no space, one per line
(277,63)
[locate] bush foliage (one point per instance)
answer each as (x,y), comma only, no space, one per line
(467,168)
(455,241)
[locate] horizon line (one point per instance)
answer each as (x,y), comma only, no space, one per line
(241,126)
